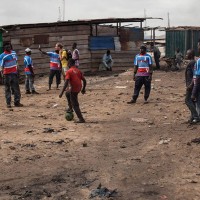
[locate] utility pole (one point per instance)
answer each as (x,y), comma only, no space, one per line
(63,10)
(145,15)
(168,20)
(145,22)
(59,14)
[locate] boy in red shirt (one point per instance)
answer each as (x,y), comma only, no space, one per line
(74,77)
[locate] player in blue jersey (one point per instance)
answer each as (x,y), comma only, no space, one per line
(55,65)
(8,65)
(28,69)
(196,89)
(14,54)
(142,74)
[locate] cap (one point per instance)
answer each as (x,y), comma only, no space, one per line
(28,50)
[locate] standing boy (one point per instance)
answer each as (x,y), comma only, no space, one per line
(156,54)
(28,69)
(63,59)
(8,64)
(189,87)
(75,54)
(55,66)
(178,59)
(74,77)
(196,89)
(142,74)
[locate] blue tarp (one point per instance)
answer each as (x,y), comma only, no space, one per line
(101,42)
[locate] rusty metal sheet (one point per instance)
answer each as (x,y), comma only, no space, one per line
(26,41)
(124,35)
(124,46)
(41,39)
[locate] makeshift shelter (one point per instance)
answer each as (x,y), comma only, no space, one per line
(183,37)
(93,38)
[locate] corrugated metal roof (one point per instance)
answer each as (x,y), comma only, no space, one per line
(179,28)
(79,22)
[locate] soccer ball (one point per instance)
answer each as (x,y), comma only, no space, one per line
(69,116)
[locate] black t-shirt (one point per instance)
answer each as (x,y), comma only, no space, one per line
(189,72)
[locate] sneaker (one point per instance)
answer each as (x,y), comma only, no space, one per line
(8,106)
(132,101)
(28,92)
(145,102)
(195,121)
(18,105)
(34,92)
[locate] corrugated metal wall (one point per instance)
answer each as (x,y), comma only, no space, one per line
(136,34)
(1,43)
(176,39)
(182,39)
(195,35)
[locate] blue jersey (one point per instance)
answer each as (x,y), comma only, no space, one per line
(14,55)
(27,62)
(197,68)
(54,60)
(8,62)
(143,62)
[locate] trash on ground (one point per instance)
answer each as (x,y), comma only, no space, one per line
(121,87)
(55,105)
(157,80)
(48,130)
(166,141)
(139,119)
(102,192)
(196,140)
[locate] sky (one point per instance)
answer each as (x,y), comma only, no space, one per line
(181,12)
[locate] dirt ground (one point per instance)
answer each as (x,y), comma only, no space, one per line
(144,151)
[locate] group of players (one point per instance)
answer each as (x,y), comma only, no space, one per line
(61,62)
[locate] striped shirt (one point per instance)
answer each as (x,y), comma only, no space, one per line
(54,60)
(197,68)
(8,62)
(143,63)
(27,62)
(14,54)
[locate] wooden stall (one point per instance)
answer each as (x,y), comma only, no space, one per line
(100,33)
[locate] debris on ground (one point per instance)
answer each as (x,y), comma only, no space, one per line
(196,140)
(102,192)
(48,130)
(166,141)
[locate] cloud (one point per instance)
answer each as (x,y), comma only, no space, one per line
(182,12)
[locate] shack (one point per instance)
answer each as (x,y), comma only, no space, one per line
(93,38)
(182,37)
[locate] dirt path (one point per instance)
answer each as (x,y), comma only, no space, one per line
(143,151)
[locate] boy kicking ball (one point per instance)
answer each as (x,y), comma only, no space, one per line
(74,78)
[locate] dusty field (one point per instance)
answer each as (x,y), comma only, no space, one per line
(142,151)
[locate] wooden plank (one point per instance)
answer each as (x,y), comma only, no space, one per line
(46,30)
(70,33)
(69,40)
(50,47)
